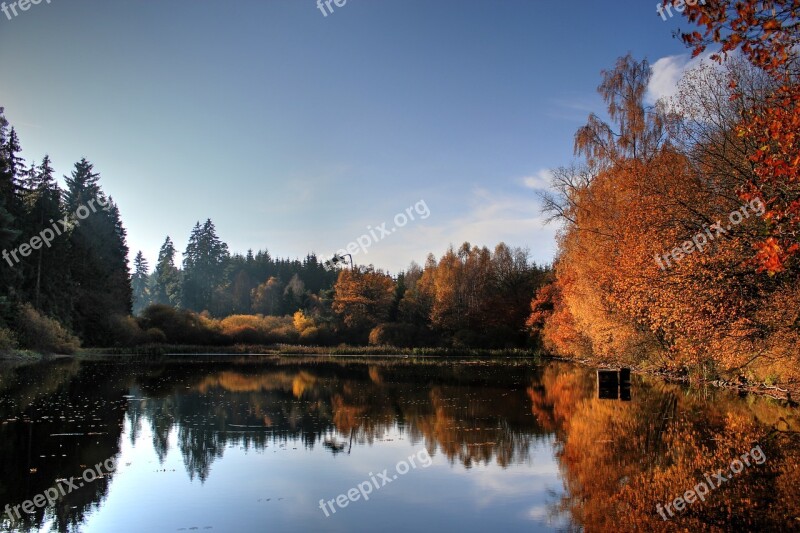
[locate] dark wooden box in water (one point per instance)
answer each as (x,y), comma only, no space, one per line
(614,384)
(608,378)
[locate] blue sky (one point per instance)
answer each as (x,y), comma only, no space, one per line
(294,131)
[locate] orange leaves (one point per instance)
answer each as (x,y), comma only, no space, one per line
(776,129)
(542,307)
(770,26)
(772,257)
(621,459)
(610,300)
(363,299)
(768,34)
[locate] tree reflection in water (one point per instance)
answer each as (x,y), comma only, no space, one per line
(617,459)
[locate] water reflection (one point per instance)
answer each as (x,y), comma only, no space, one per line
(517,446)
(620,459)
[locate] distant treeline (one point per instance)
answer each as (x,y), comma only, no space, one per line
(213,280)
(75,287)
(470,298)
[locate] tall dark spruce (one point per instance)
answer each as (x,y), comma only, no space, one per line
(46,283)
(101,283)
(139,283)
(166,279)
(10,214)
(203,267)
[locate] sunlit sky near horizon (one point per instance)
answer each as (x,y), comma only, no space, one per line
(294,131)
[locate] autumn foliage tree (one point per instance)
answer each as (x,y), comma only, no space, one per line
(654,178)
(362,299)
(767,33)
(477,296)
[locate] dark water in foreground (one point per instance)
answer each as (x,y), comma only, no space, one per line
(254,444)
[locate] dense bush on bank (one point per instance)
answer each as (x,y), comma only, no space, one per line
(37,332)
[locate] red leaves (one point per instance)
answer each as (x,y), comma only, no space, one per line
(776,129)
(772,256)
(768,34)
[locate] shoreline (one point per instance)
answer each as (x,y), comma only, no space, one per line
(290,350)
(781,392)
(788,393)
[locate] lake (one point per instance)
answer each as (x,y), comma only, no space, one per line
(226,443)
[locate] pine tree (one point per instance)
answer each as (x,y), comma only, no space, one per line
(101,284)
(82,186)
(166,279)
(13,168)
(10,274)
(139,283)
(8,233)
(293,295)
(203,267)
(47,279)
(117,260)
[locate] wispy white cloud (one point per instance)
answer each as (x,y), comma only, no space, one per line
(489,218)
(481,217)
(577,103)
(667,73)
(538,181)
(574,108)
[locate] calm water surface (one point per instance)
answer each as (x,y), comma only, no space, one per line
(226,444)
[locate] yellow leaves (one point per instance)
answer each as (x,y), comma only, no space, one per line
(302,322)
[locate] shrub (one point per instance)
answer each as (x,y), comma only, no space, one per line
(302,322)
(244,335)
(44,334)
(156,336)
(320,335)
(125,331)
(311,332)
(466,338)
(258,329)
(183,327)
(309,335)
(394,334)
(234,323)
(8,341)
(502,336)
